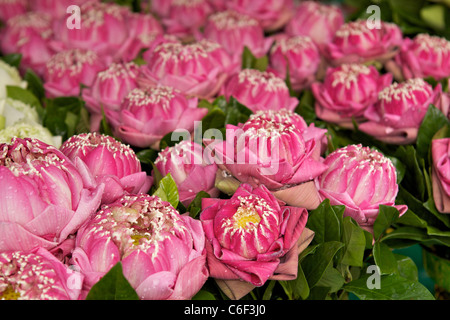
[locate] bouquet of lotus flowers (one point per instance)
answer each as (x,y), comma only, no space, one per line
(224,150)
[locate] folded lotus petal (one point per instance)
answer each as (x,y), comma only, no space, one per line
(304,195)
(157,286)
(14,237)
(189,280)
(386,134)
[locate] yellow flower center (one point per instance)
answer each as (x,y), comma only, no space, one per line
(245,217)
(9,294)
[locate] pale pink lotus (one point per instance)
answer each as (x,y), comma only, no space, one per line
(182,18)
(234,31)
(252,236)
(108,90)
(440,174)
(421,57)
(347,91)
(111,162)
(30,35)
(300,56)
(259,90)
(190,167)
(356,42)
(37,275)
(162,253)
(272,14)
(46,197)
(397,115)
(317,20)
(361,179)
(67,71)
(197,69)
(147,115)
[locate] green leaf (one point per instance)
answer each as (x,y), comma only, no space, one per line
(236,112)
(332,279)
(168,190)
(384,258)
(26,96)
(387,215)
(204,295)
(355,243)
(298,288)
(325,221)
(195,207)
(315,265)
(113,286)
(13,59)
(306,107)
(406,267)
(249,61)
(392,287)
(35,84)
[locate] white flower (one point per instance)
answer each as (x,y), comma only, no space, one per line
(29,130)
(13,111)
(9,76)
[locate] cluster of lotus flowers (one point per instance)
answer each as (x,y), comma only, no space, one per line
(71,210)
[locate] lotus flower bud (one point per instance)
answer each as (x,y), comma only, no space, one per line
(190,171)
(162,252)
(361,179)
(260,90)
(110,162)
(397,115)
(347,91)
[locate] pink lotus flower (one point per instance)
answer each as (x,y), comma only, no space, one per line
(12,8)
(190,168)
(361,179)
(197,69)
(234,31)
(162,252)
(300,55)
(103,29)
(110,162)
(423,56)
(316,20)
(37,275)
(108,91)
(144,33)
(29,34)
(252,236)
(182,18)
(271,150)
(355,42)
(147,115)
(272,14)
(55,8)
(46,197)
(260,90)
(440,174)
(347,91)
(66,71)
(397,115)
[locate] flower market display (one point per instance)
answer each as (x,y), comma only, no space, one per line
(226,150)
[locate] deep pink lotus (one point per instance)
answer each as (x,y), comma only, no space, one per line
(108,90)
(37,275)
(397,115)
(162,252)
(67,71)
(317,20)
(252,236)
(299,55)
(182,18)
(234,31)
(45,196)
(356,42)
(30,35)
(191,168)
(272,14)
(347,91)
(362,179)
(259,90)
(440,174)
(198,69)
(421,57)
(276,150)
(147,115)
(111,162)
